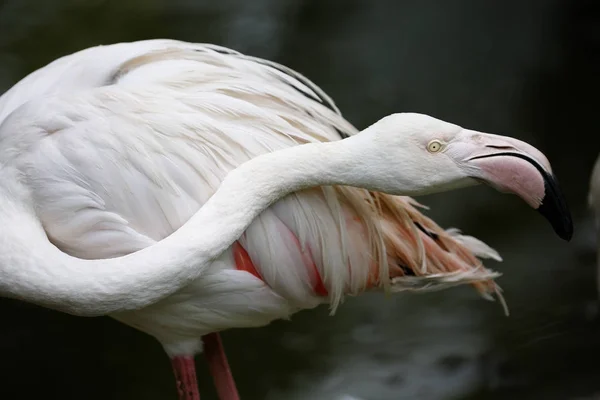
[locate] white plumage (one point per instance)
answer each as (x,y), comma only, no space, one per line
(594,205)
(117,147)
(121,175)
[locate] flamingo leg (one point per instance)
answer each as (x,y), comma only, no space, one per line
(185,376)
(219,367)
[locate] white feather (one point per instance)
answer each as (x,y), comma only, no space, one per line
(120,145)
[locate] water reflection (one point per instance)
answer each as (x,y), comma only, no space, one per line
(517,68)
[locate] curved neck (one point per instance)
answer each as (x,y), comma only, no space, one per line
(34,270)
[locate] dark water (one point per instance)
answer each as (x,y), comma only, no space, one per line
(524,69)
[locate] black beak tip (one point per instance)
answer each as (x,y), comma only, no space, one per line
(568,234)
(554,208)
(564,228)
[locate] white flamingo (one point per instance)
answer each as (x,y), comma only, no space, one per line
(594,204)
(162,183)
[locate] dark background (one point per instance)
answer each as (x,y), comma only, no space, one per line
(527,69)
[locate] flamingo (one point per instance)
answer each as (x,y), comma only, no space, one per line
(184,189)
(594,205)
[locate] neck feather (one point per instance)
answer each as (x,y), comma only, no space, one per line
(34,270)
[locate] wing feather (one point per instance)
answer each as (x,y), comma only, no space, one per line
(122,144)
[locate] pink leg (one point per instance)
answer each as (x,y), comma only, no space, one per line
(185,375)
(219,367)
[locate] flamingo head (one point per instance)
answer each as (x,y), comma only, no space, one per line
(436,156)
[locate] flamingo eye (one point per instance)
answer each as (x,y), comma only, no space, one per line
(434,146)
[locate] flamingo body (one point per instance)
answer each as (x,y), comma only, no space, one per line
(130,151)
(118,146)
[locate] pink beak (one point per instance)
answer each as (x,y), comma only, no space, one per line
(513,166)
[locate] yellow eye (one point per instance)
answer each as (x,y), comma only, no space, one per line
(434,146)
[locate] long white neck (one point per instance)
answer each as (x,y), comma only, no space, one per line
(34,270)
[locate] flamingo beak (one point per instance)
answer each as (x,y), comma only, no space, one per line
(513,166)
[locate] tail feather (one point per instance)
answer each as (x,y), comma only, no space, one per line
(423,256)
(350,240)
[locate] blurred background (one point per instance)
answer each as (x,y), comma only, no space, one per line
(527,69)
